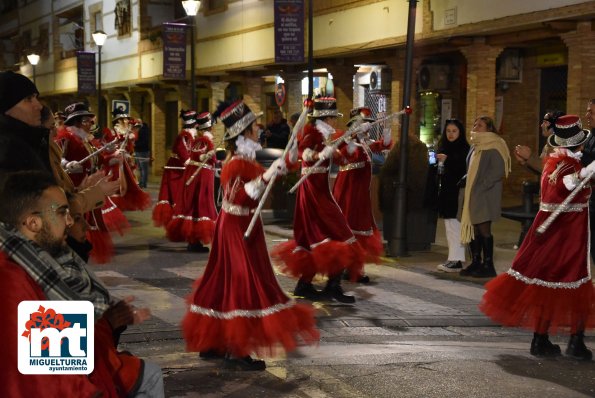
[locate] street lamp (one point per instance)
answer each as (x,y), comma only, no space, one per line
(33,60)
(191,8)
(99,37)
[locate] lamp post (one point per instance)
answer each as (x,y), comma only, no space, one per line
(33,60)
(99,37)
(191,8)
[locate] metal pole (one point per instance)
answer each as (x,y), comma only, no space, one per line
(398,245)
(99,110)
(192,65)
(34,75)
(310,50)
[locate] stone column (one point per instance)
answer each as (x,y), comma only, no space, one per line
(136,99)
(343,82)
(217,95)
(481,80)
(581,58)
(293,87)
(253,93)
(157,124)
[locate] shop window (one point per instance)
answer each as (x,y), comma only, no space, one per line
(123,20)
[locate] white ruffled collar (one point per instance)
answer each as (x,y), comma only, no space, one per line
(325,129)
(247,147)
(566,152)
(82,134)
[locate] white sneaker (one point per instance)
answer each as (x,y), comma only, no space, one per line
(450,266)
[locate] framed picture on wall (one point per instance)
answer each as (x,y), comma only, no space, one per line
(122,106)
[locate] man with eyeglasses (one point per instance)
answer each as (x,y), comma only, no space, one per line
(36,264)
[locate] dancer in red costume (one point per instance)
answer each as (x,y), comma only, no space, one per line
(548,289)
(323,242)
(352,186)
(171,181)
(120,164)
(76,144)
(195,212)
(238,307)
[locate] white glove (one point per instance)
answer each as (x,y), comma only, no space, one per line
(207,156)
(110,146)
(386,137)
(351,147)
(73,167)
(120,152)
(187,162)
(278,168)
(587,170)
(131,136)
(365,126)
(326,153)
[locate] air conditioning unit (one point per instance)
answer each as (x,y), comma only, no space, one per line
(433,77)
(380,80)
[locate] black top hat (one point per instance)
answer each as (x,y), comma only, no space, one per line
(74,111)
(118,114)
(361,114)
(188,118)
(568,132)
(236,118)
(204,121)
(325,107)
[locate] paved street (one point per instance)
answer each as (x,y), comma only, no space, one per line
(412,333)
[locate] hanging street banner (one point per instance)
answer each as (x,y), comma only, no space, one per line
(174,51)
(289,31)
(85,71)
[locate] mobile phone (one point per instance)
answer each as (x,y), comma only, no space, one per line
(432,156)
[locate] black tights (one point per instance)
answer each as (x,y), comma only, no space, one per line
(484,229)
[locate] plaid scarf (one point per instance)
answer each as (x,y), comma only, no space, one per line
(64,278)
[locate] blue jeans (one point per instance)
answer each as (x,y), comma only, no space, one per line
(143,167)
(151,385)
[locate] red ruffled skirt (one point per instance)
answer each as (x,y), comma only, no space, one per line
(372,246)
(512,302)
(327,258)
(162,213)
(114,219)
(182,229)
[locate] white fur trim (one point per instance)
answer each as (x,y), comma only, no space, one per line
(308,155)
(325,129)
(255,188)
(351,147)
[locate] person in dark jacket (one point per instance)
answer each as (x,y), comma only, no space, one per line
(24,144)
(452,152)
(142,150)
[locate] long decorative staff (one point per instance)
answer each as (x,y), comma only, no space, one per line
(202,164)
(97,152)
(296,128)
(562,207)
(339,141)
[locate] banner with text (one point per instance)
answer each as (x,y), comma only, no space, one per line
(85,70)
(289,31)
(174,51)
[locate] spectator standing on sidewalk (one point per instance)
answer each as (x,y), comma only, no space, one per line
(452,152)
(142,150)
(276,133)
(525,156)
(487,163)
(548,288)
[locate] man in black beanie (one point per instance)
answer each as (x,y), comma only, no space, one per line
(23,142)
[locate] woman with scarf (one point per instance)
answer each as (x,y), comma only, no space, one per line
(548,288)
(452,151)
(237,306)
(488,162)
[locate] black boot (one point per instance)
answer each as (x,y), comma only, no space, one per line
(245,363)
(197,247)
(210,354)
(334,290)
(475,245)
(361,279)
(541,346)
(487,269)
(307,291)
(577,349)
